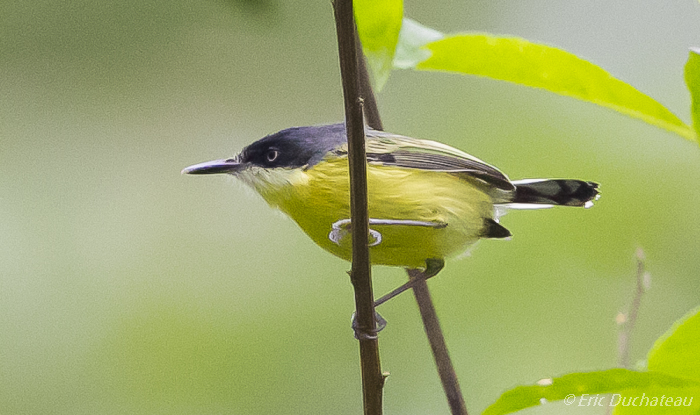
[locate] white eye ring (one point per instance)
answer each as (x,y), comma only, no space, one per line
(271,155)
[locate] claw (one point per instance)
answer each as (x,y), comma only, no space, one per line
(377,237)
(363,335)
(339,231)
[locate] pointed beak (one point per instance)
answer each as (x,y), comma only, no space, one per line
(215,166)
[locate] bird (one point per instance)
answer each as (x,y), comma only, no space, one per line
(427,201)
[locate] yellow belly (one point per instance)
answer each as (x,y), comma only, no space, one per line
(318,197)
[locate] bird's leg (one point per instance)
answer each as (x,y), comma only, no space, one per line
(342,227)
(432,267)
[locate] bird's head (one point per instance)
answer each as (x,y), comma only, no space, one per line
(275,160)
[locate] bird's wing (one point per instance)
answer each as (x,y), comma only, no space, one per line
(395,150)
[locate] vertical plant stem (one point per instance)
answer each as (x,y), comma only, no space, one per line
(448,376)
(360,274)
(371,108)
(629,320)
(623,343)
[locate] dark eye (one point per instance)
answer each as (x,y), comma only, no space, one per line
(271,155)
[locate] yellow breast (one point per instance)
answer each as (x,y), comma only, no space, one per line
(318,197)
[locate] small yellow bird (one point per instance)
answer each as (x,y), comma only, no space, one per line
(427,200)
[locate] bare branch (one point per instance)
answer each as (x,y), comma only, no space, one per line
(446,371)
(360,274)
(372,117)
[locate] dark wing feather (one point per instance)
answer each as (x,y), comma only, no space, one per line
(427,160)
(396,150)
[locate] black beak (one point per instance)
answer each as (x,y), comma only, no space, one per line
(214,167)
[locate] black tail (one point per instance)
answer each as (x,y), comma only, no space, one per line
(555,192)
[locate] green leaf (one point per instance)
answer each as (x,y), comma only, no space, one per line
(579,388)
(692,79)
(378,24)
(677,352)
(519,61)
(412,38)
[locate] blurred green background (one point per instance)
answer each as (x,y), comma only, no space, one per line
(128,288)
